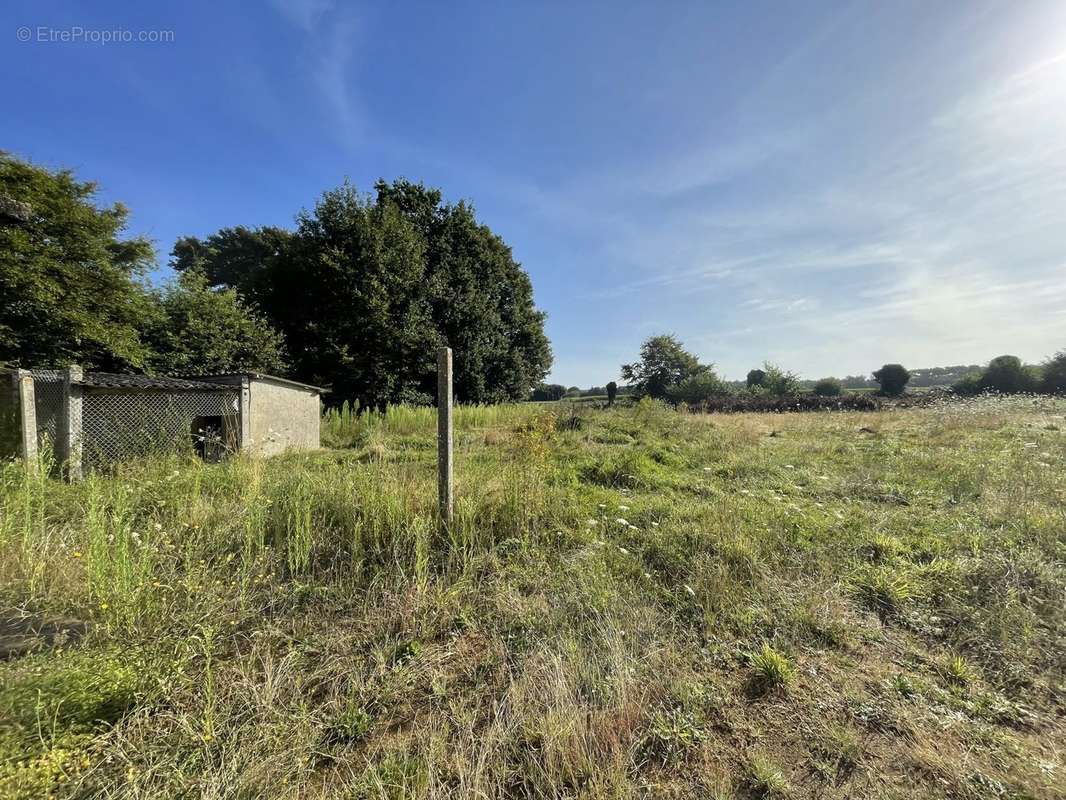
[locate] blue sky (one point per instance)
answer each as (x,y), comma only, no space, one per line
(826,185)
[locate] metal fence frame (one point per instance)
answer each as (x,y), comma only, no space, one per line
(86,425)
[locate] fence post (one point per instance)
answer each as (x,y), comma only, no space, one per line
(70,422)
(27,406)
(444,433)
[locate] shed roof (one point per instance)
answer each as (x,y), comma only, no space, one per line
(111,380)
(258,376)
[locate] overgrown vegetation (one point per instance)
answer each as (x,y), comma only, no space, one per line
(631,603)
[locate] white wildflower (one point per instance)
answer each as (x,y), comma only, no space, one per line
(622,521)
(623,508)
(690,590)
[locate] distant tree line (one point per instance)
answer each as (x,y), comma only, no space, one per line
(666,370)
(357,297)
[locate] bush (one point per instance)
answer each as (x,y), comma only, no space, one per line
(612,392)
(697,389)
(779,382)
(756,377)
(967,385)
(828,387)
(893,379)
(1008,375)
(1054,377)
(739,403)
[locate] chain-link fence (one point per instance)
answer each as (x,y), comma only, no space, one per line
(10,424)
(48,404)
(118,424)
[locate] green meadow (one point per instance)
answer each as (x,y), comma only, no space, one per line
(631,602)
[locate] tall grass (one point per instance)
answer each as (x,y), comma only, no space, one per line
(347,426)
(591,625)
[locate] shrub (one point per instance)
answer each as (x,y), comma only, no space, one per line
(766,778)
(828,387)
(772,669)
(893,379)
(968,385)
(697,389)
(756,377)
(779,382)
(1008,375)
(1053,380)
(762,402)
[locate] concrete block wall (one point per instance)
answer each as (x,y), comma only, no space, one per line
(280,417)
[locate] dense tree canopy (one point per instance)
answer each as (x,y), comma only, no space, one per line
(827,387)
(893,379)
(367,287)
(70,284)
(1053,374)
(756,377)
(202,330)
(663,363)
(1008,375)
(74,291)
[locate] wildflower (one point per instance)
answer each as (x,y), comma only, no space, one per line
(592,522)
(690,590)
(158,526)
(634,528)
(623,551)
(655,524)
(77,554)
(789,466)
(103,606)
(707,469)
(623,508)
(602,505)
(622,521)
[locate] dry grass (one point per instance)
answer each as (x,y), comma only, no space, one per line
(616,612)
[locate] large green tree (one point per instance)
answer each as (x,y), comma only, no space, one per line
(893,379)
(664,362)
(70,282)
(1009,375)
(367,287)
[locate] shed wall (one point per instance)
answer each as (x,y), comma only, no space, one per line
(282,417)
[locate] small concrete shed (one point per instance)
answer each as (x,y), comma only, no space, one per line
(276,414)
(91,419)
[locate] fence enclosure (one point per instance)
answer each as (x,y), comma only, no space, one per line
(90,420)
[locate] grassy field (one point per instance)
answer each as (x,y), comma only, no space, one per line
(631,603)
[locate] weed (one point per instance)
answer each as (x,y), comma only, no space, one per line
(772,669)
(765,777)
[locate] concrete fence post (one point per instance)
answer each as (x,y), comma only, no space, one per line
(445,483)
(70,433)
(27,415)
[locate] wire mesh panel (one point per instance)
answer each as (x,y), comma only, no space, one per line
(10,423)
(118,425)
(48,403)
